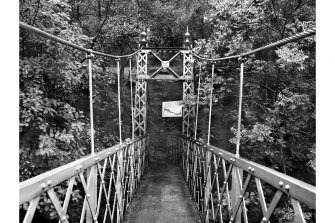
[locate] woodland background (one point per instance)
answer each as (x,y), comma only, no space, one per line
(279,87)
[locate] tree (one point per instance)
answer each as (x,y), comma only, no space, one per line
(279,90)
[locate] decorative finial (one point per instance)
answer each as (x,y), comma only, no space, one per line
(187,34)
(187,42)
(143,39)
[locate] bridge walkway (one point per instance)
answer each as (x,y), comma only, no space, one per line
(163,197)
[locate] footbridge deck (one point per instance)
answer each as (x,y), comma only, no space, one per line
(162,197)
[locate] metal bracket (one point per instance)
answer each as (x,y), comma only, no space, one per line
(165,64)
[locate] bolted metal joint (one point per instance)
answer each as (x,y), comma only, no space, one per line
(242,59)
(49,182)
(79,168)
(43,186)
(90,55)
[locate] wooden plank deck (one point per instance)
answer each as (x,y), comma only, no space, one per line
(163,197)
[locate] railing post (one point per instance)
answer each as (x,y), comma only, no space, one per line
(92,191)
(119,186)
(187,161)
(140,161)
(208,184)
(131,175)
(236,191)
(183,155)
(195,168)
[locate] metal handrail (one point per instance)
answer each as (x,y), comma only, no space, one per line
(298,189)
(32,187)
(109,180)
(219,179)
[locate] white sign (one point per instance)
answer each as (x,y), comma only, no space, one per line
(172,109)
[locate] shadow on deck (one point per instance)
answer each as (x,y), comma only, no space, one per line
(162,197)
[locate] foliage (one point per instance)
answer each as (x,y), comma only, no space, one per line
(52,130)
(279,85)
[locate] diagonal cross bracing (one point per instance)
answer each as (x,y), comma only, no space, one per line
(188,92)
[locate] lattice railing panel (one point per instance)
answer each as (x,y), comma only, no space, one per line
(225,187)
(165,146)
(173,147)
(106,182)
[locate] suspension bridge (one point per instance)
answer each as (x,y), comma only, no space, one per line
(192,181)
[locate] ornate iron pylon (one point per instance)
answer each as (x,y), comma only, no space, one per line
(188,88)
(140,111)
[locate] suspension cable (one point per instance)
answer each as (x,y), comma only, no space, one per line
(119,96)
(238,139)
(293,38)
(131,100)
(90,76)
(197,110)
(210,107)
(38,32)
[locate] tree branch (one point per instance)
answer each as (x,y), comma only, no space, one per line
(102,24)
